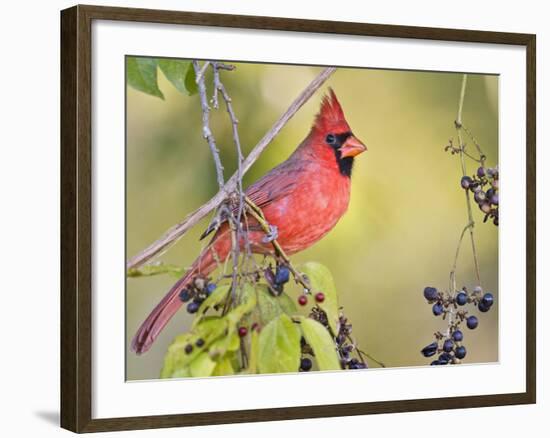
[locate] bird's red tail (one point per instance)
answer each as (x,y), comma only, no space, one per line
(169,305)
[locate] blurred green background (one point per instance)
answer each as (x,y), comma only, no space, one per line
(406,213)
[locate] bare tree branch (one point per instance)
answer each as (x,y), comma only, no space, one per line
(206,132)
(178,230)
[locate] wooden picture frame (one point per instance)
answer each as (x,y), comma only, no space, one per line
(76,217)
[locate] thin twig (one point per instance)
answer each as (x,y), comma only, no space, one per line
(361,352)
(471,223)
(178,230)
(452,277)
(257,213)
(206,132)
(482,156)
(200,73)
(219,87)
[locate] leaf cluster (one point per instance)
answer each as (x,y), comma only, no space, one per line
(142,74)
(277,334)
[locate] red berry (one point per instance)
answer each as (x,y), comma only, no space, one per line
(255,326)
(243,331)
(302,300)
(320,297)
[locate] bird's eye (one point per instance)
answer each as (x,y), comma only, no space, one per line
(331,139)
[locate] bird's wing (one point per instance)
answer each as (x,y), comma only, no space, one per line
(278,183)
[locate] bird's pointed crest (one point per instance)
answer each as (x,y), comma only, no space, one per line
(331,116)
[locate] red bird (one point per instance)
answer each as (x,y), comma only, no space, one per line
(303,197)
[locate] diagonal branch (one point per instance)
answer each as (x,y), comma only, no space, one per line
(178,230)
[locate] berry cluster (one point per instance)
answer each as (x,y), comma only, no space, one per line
(199,343)
(277,280)
(484,185)
(319,298)
(346,346)
(449,345)
(344,343)
(196,293)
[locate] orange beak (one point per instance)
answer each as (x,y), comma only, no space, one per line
(352,147)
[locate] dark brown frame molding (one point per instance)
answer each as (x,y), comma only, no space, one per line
(76,238)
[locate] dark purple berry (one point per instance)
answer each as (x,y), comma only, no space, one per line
(460,352)
(436,362)
(485,207)
(243,331)
(494,184)
(302,300)
(465,182)
(488,299)
(461,298)
(269,276)
(481,171)
(437,309)
(193,306)
(188,349)
(347,349)
(210,288)
(200,342)
(471,322)
(429,350)
(457,336)
(430,293)
(445,358)
(282,275)
(448,345)
(319,297)
(483,307)
(494,199)
(306,364)
(185,295)
(480,196)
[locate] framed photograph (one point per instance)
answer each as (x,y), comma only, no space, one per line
(268,218)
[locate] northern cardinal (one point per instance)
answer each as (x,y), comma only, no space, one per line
(303,197)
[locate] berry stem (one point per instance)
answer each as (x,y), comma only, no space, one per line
(462,146)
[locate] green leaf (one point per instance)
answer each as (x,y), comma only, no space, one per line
(219,337)
(202,366)
(156,269)
(191,81)
(254,353)
(183,372)
(230,342)
(287,304)
(279,346)
(141,74)
(177,359)
(235,315)
(217,297)
(269,307)
(180,73)
(319,339)
(321,280)
(224,367)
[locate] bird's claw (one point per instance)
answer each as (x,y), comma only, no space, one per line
(271,235)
